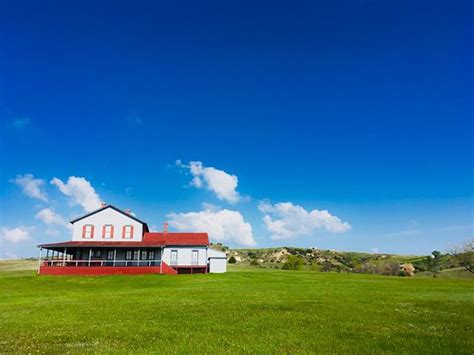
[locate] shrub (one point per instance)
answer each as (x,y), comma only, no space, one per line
(252,254)
(232,260)
(293,263)
(254,262)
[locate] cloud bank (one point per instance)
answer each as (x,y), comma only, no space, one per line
(222,226)
(287,221)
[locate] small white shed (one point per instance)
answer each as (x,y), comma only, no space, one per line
(217,261)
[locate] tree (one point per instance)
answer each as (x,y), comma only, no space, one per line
(433,262)
(232,260)
(294,262)
(464,255)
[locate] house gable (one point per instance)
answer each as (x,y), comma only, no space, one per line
(108,224)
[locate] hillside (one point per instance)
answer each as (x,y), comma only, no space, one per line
(312,259)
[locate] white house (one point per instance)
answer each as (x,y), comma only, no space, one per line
(112,241)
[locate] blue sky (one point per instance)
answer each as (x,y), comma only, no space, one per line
(359,108)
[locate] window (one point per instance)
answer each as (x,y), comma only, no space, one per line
(128,255)
(195,255)
(87,231)
(110,255)
(136,253)
(174,257)
(107,231)
(151,255)
(143,256)
(127,232)
(96,253)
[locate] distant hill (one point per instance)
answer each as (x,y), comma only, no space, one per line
(331,260)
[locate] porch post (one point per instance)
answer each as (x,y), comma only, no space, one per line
(90,254)
(161,261)
(115,255)
(139,252)
(64,257)
(47,253)
(39,260)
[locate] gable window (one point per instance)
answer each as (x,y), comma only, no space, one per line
(87,231)
(127,232)
(107,231)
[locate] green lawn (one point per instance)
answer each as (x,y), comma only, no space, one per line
(246,310)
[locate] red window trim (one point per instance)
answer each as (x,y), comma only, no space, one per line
(84,227)
(111,231)
(124,229)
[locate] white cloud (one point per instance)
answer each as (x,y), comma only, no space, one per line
(224,185)
(31,187)
(48,216)
(291,220)
(222,226)
(80,191)
(15,235)
(210,206)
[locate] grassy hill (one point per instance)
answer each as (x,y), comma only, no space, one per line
(249,309)
(330,260)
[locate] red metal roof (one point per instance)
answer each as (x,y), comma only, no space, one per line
(170,238)
(149,240)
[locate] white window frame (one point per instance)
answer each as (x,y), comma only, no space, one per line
(195,261)
(174,261)
(88,231)
(108,229)
(128,232)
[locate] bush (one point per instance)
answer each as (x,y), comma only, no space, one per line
(254,262)
(232,260)
(293,263)
(252,254)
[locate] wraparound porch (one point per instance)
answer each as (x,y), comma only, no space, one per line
(104,260)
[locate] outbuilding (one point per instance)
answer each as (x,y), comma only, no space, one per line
(217,261)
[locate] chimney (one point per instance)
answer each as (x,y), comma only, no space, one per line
(128,211)
(165,228)
(103,204)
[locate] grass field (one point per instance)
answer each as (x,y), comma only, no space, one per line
(247,310)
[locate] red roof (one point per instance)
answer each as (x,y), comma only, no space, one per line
(149,240)
(177,238)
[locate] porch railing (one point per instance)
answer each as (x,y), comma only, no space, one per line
(100,262)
